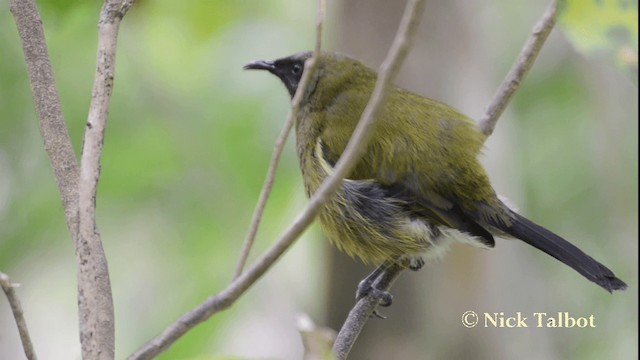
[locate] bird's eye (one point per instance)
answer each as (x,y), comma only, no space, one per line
(296,69)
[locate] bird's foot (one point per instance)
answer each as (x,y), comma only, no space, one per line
(366,288)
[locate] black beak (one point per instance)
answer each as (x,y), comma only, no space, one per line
(260,65)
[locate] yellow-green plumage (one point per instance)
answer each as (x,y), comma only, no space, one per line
(413,135)
(419,182)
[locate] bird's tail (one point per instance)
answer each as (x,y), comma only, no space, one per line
(552,244)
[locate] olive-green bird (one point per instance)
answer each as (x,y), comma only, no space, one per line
(419,184)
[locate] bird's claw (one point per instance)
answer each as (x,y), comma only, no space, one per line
(366,288)
(378,315)
(386,299)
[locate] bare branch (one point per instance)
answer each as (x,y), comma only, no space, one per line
(264,195)
(53,128)
(361,312)
(18,315)
(390,67)
(516,75)
(97,321)
(242,281)
(279,146)
(94,292)
(365,307)
(352,153)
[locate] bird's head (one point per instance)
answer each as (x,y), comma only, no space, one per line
(334,73)
(289,69)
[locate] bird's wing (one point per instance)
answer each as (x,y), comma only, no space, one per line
(432,207)
(422,151)
(441,211)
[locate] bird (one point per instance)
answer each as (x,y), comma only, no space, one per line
(419,185)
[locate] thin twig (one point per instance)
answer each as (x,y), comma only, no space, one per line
(361,313)
(399,48)
(53,128)
(351,155)
(516,75)
(264,195)
(279,146)
(95,300)
(242,281)
(353,151)
(18,315)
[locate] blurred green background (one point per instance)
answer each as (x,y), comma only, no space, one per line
(188,142)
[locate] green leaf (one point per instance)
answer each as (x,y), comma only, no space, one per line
(604,29)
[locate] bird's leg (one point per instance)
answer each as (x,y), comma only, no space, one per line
(365,287)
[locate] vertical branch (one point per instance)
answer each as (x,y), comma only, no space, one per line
(77,187)
(97,321)
(279,146)
(264,196)
(362,311)
(349,158)
(389,68)
(519,70)
(18,315)
(53,128)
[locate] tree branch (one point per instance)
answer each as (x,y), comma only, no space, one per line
(242,281)
(18,315)
(279,146)
(362,311)
(53,128)
(264,195)
(97,334)
(389,68)
(352,153)
(520,68)
(77,186)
